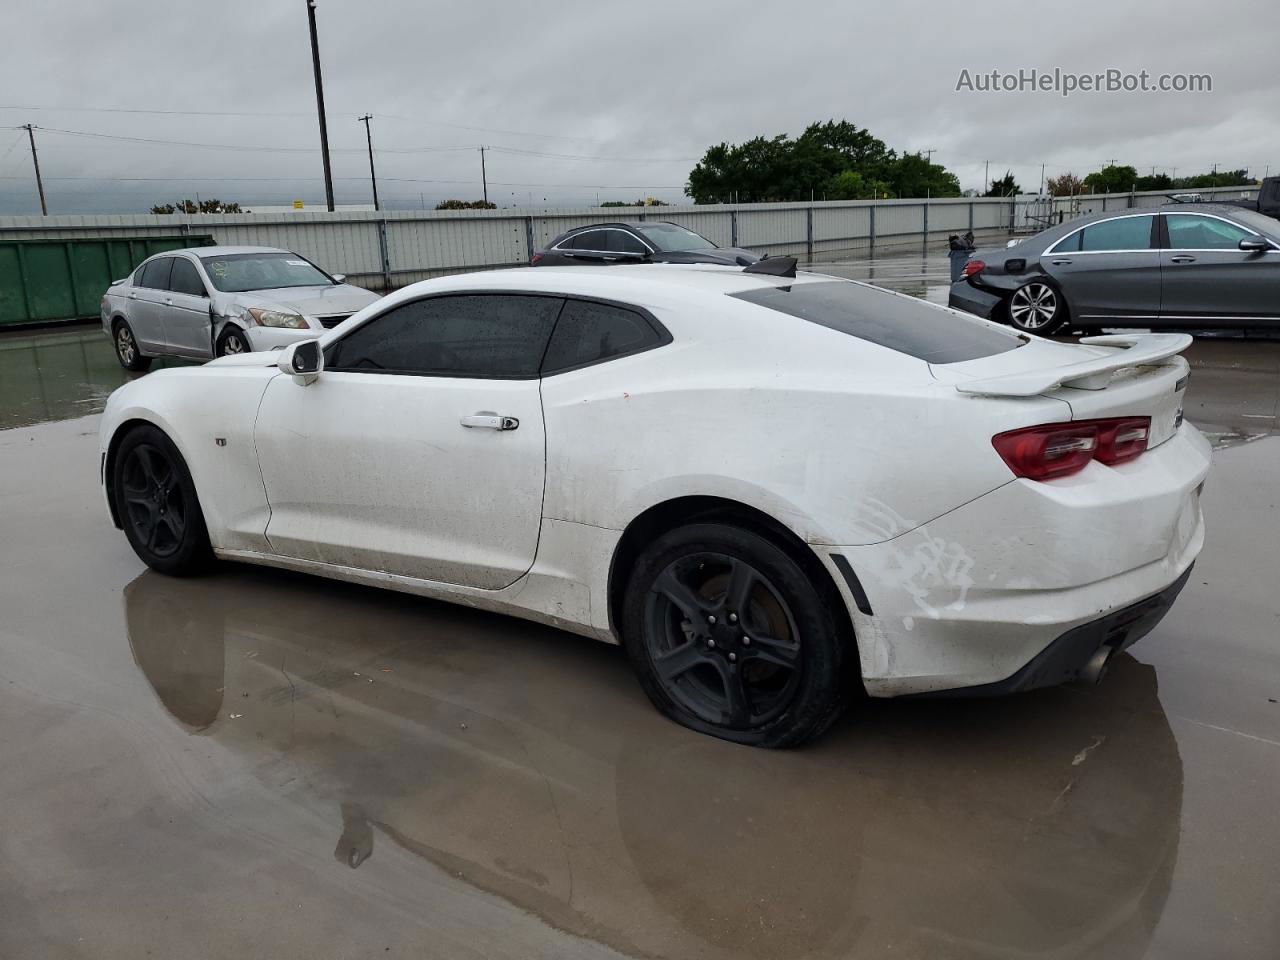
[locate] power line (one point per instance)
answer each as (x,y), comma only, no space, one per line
(268,113)
(257,148)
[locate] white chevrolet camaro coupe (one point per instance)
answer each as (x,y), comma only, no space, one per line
(775,490)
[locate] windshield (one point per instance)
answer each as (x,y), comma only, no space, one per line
(238,272)
(669,238)
(1258,222)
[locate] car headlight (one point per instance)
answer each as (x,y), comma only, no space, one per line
(277,318)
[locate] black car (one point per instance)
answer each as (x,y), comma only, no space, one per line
(1181,265)
(657,241)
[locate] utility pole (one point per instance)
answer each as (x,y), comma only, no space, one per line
(372,175)
(35,161)
(484,177)
(928,154)
(324,126)
(1042,179)
(986,176)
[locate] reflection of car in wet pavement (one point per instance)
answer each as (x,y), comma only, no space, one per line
(1044,825)
(214,301)
(538,442)
(1181,266)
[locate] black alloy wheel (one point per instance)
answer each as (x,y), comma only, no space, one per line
(156,503)
(731,637)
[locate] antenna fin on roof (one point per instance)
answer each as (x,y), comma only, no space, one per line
(774,267)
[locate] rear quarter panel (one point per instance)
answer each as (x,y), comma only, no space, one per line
(843,441)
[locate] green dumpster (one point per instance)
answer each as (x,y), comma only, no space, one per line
(49,280)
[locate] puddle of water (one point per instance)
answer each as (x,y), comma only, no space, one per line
(58,375)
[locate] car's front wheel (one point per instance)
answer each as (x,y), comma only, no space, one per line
(233,341)
(730,637)
(1037,307)
(156,502)
(127,351)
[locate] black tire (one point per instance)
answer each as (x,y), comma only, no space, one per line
(773,677)
(232,341)
(126,346)
(157,505)
(1037,307)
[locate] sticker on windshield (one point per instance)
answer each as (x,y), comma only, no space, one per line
(297,263)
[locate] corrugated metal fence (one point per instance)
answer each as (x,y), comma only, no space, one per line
(393,248)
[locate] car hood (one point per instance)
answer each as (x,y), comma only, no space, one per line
(309,301)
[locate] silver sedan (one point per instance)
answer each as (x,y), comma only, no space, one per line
(203,302)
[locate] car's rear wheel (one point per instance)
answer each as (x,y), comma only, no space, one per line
(127,351)
(1037,307)
(156,502)
(233,341)
(730,637)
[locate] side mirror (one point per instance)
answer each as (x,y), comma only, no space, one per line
(303,361)
(340,277)
(1254,244)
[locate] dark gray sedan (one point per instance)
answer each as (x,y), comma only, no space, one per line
(633,241)
(1182,265)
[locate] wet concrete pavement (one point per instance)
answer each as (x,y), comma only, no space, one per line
(256,763)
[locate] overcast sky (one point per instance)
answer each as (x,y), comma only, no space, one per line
(641,88)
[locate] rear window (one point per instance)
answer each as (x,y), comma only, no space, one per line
(900,323)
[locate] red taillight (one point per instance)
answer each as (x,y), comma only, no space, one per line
(535,259)
(974,266)
(1058,449)
(1122,439)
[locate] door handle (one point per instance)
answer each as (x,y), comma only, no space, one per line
(490,421)
(1183,258)
(1061,263)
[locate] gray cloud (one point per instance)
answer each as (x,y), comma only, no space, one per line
(645,82)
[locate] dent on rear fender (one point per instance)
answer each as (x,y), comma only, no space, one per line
(934,572)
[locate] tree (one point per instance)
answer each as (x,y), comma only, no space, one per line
(1112,178)
(1225,178)
(466,205)
(835,159)
(642,202)
(202,206)
(1067,185)
(1006,186)
(1157,181)
(911,175)
(851,185)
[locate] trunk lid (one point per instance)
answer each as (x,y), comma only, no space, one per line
(1117,376)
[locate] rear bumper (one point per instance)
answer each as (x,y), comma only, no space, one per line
(1069,657)
(975,597)
(965,296)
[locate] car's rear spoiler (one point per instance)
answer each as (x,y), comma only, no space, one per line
(1095,374)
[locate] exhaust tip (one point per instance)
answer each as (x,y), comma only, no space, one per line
(1096,668)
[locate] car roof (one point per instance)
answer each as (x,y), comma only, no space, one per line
(638,283)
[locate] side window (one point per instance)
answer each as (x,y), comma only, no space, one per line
(185,279)
(485,336)
(1070,244)
(1128,233)
(622,242)
(591,240)
(1191,232)
(155,275)
(591,332)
